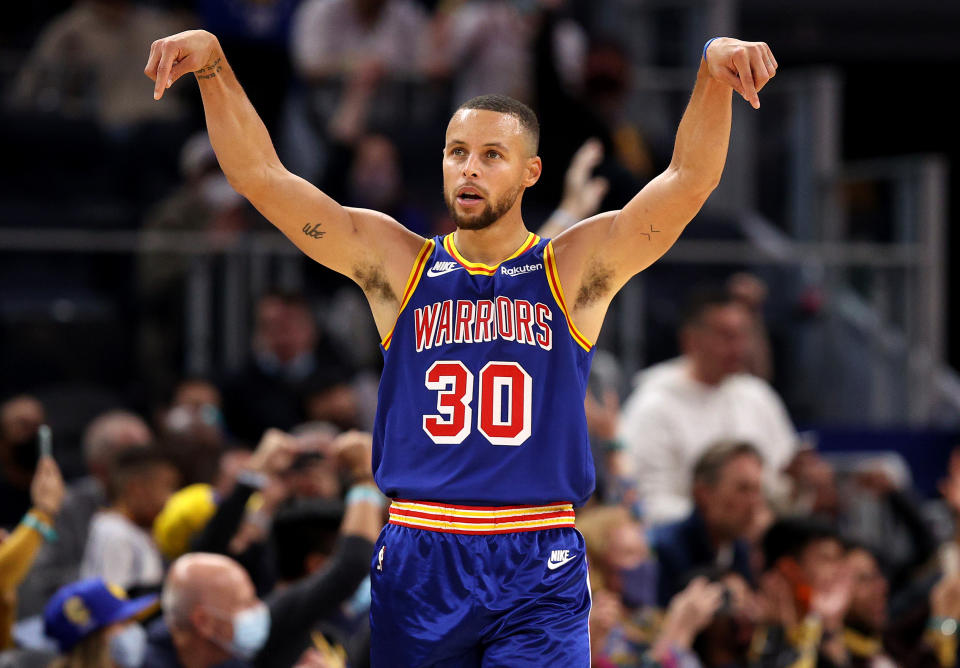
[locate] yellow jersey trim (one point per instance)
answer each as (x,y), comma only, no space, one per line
(486,269)
(415,274)
(553,278)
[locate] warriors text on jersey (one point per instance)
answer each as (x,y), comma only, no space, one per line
(481,398)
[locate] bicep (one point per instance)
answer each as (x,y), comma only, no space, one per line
(631,239)
(343,239)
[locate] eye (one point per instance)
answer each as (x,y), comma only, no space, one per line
(493,154)
(457,151)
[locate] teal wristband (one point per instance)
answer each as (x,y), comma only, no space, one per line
(705,47)
(945,625)
(41,527)
(365,494)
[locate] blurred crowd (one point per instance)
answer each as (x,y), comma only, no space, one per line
(235,527)
(228,520)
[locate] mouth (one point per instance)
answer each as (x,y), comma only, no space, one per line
(469,197)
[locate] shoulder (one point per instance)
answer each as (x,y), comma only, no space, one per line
(752,387)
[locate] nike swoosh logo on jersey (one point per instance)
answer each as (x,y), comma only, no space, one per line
(554,565)
(441,268)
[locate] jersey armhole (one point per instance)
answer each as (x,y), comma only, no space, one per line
(553,278)
(415,273)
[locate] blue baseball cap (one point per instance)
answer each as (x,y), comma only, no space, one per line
(80,608)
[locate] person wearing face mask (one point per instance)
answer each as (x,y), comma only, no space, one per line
(212,617)
(95,625)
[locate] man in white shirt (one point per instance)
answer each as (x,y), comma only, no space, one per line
(120,548)
(681,406)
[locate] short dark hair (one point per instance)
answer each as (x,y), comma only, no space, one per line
(135,462)
(790,536)
(708,466)
(504,104)
(302,528)
(702,299)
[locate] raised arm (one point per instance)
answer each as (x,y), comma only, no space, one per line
(369,247)
(597,256)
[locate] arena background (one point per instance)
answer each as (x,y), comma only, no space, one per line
(836,195)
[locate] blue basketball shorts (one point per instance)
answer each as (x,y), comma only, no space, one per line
(456,586)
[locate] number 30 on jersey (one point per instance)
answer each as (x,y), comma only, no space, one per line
(504,398)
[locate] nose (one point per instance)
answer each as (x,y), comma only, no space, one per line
(471,168)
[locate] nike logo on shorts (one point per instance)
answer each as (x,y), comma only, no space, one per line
(558,558)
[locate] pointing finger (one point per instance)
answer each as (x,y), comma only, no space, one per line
(163,72)
(742,61)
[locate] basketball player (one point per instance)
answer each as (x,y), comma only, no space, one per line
(480,438)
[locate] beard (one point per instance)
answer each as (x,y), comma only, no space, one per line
(490,214)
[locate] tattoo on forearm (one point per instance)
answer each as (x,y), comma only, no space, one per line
(209,71)
(649,234)
(314,231)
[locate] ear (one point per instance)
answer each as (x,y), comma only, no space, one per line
(533,170)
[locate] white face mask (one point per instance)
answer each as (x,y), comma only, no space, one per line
(128,646)
(251,628)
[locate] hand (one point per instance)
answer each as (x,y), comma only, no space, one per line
(275,453)
(945,597)
(605,613)
(833,601)
(46,490)
(582,193)
(691,611)
(176,55)
(777,605)
(744,66)
(353,452)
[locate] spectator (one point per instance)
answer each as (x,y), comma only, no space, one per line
(17,550)
(485,46)
(728,495)
(193,431)
(86,64)
(869,508)
(681,406)
(20,417)
(94,624)
(621,562)
(207,597)
(290,363)
(120,548)
(334,38)
(58,563)
(806,590)
(866,617)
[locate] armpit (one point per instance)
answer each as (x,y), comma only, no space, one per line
(597,283)
(374,283)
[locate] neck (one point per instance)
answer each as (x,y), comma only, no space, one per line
(702,375)
(492,244)
(197,652)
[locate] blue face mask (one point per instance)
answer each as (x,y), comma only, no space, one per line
(128,646)
(251,628)
(638,585)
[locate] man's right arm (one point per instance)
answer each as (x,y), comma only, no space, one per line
(369,247)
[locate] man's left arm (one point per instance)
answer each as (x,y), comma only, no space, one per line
(598,256)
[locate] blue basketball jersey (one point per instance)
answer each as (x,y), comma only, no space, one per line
(481,398)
